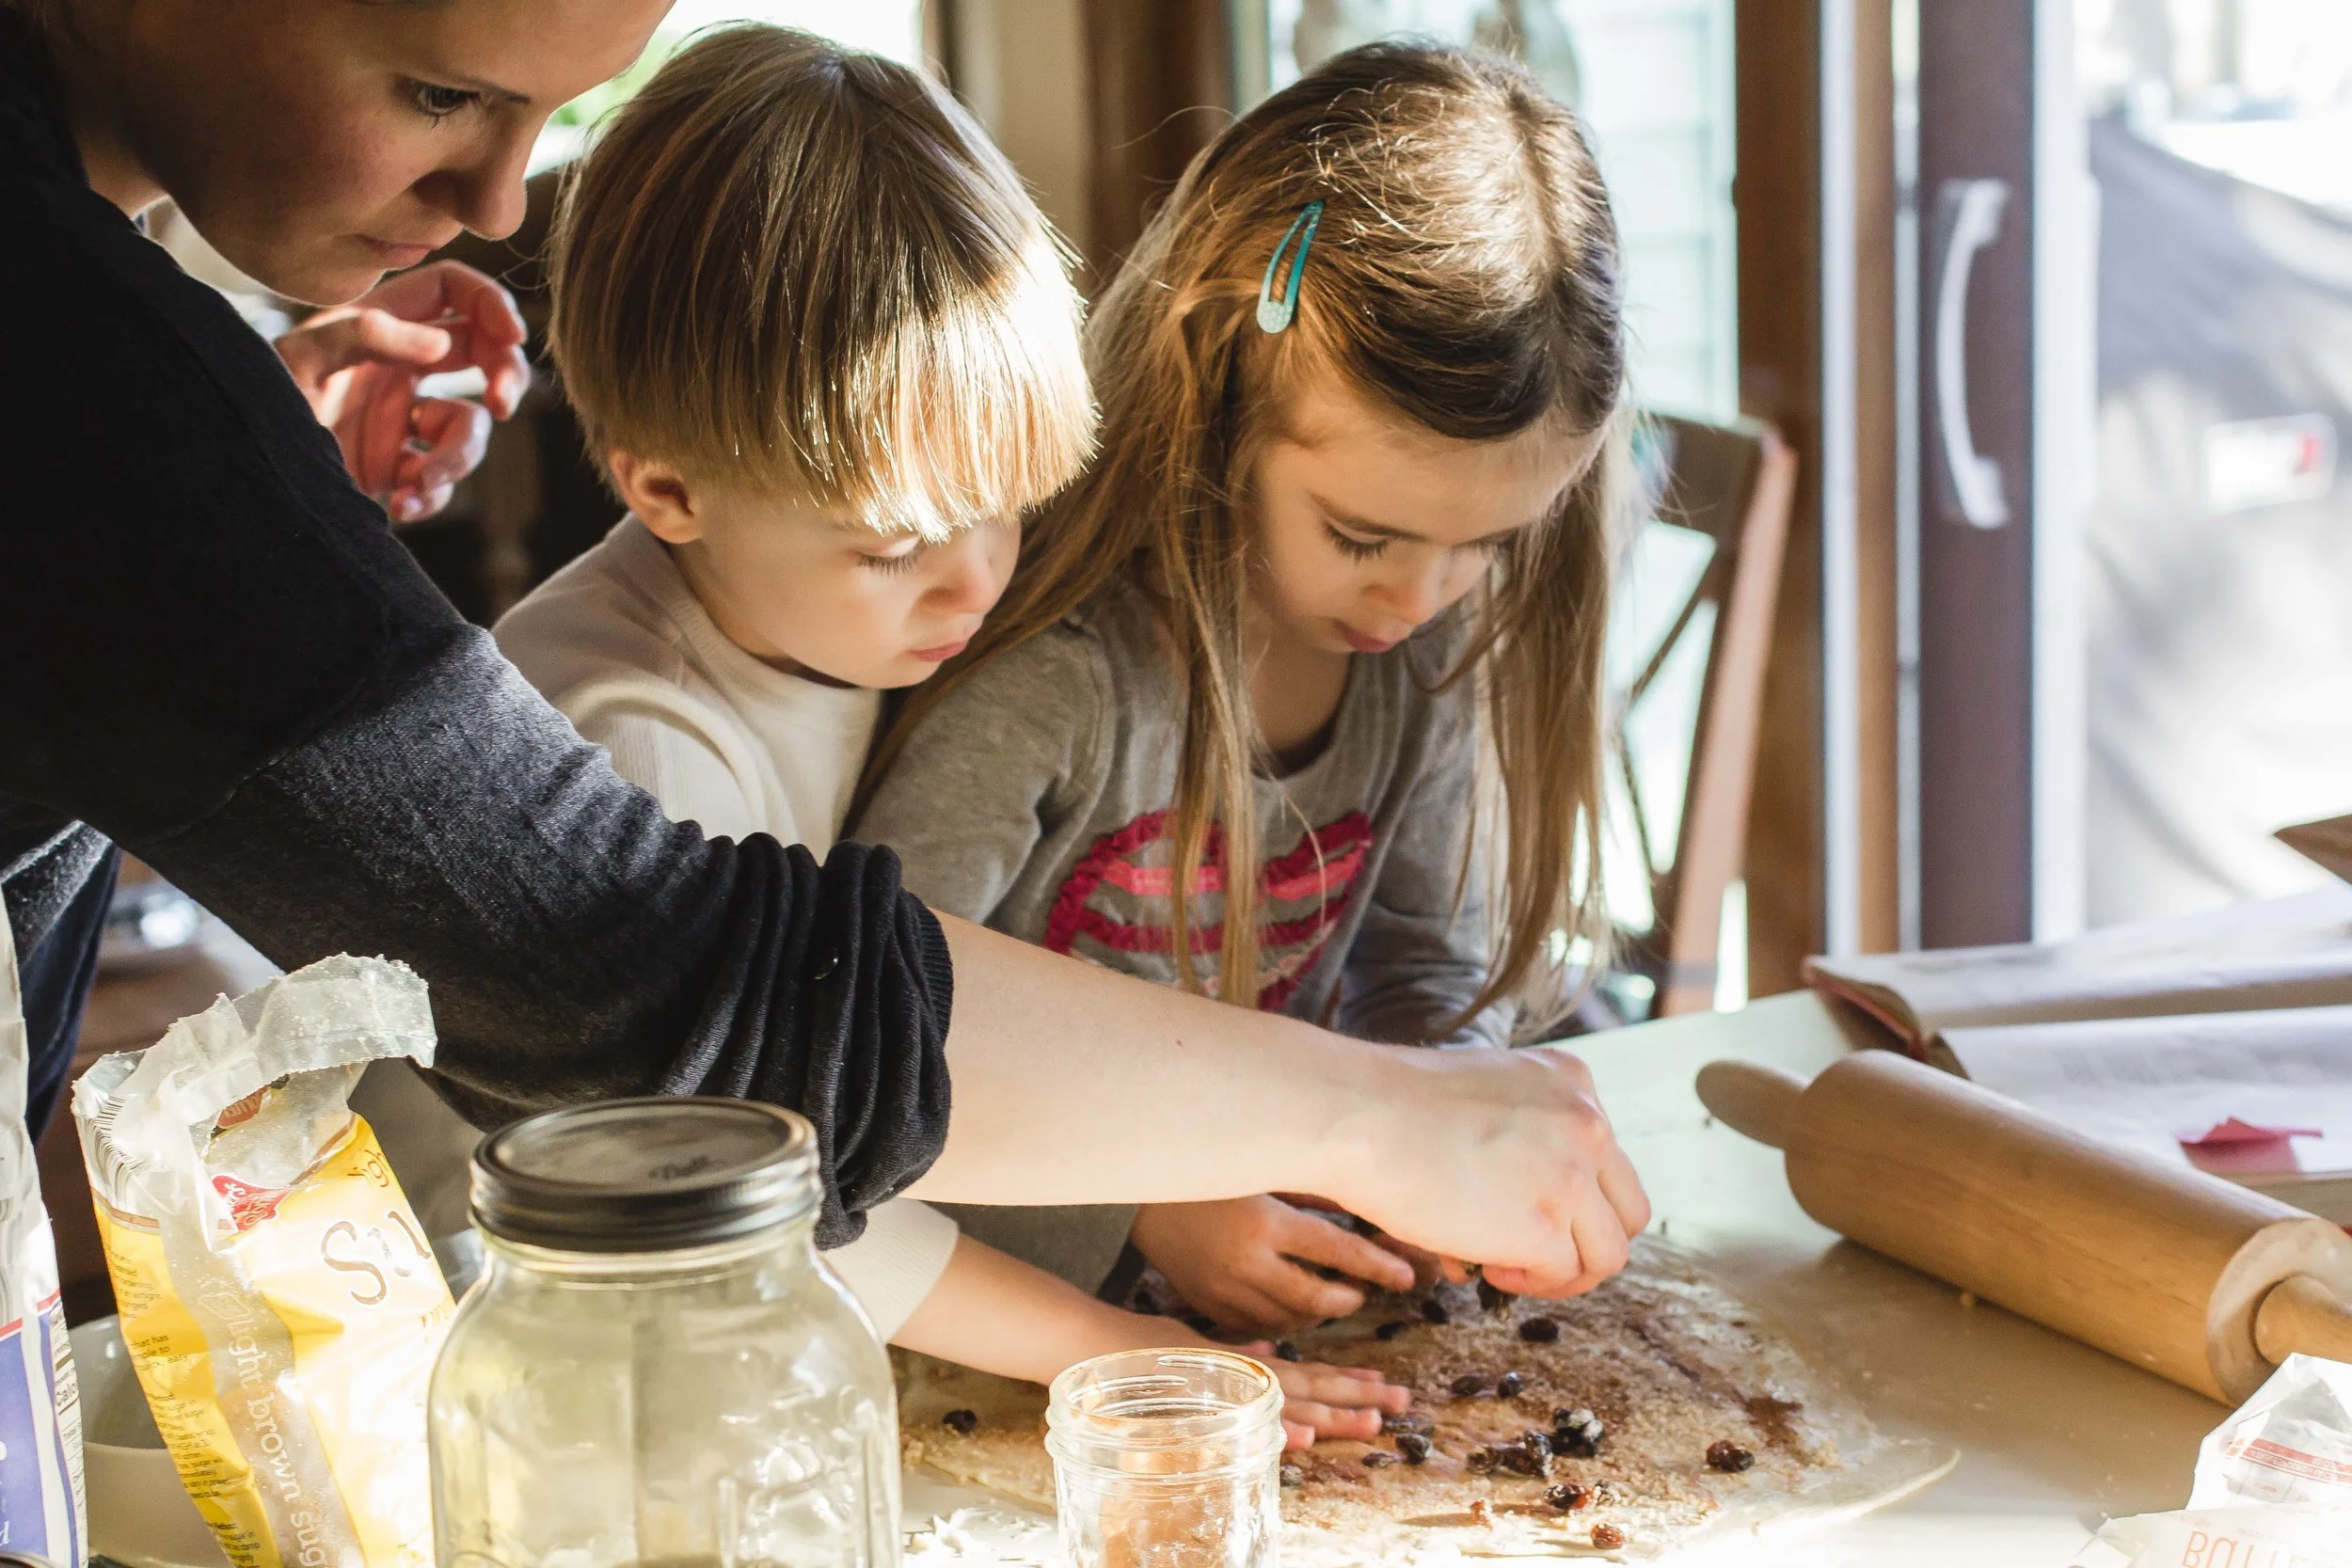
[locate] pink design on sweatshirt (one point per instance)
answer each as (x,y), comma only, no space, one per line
(1115,900)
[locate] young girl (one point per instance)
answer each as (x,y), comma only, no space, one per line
(821,343)
(1296,694)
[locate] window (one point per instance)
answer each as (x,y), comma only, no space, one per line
(1652,81)
(892,27)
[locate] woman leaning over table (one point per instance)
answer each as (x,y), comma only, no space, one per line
(213,653)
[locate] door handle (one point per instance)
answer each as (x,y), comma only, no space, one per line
(1971,213)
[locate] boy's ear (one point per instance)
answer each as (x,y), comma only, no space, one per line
(659,495)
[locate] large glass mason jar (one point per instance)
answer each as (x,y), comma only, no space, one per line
(655,1368)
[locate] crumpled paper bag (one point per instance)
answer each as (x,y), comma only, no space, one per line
(2273,1486)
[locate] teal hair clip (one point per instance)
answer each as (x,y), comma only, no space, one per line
(1274,314)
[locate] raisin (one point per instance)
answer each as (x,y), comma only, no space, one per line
(1508,1386)
(1413,1447)
(1378,1458)
(1728,1457)
(1568,1497)
(1530,1456)
(1408,1421)
(1200,1322)
(1285,1351)
(1294,1476)
(1433,1311)
(1482,1460)
(1540,1331)
(1149,1302)
(1492,1299)
(1391,1330)
(1606,1493)
(1577,1418)
(1608,1537)
(963,1421)
(1482,1512)
(1572,1442)
(1469,1386)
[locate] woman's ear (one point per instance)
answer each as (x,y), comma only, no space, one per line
(659,495)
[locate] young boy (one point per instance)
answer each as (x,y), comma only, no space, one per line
(826,351)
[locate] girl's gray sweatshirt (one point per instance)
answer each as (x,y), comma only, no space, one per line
(1036,799)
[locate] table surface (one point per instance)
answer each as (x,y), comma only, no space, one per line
(2054,1436)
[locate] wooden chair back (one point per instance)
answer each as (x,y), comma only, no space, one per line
(1735,483)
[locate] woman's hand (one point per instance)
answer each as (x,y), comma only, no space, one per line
(1512,1163)
(359,365)
(1240,1261)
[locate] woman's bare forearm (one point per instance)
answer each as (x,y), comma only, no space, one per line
(1075,1084)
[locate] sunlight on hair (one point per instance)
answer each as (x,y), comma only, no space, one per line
(790,265)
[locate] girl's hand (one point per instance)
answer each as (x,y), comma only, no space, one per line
(360,365)
(1239,1261)
(1320,1402)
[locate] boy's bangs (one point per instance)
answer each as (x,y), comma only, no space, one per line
(974,416)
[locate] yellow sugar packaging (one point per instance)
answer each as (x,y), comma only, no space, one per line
(281,1306)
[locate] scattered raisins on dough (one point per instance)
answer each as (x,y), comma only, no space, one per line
(1568,1497)
(1509,1386)
(1433,1310)
(1407,1420)
(1294,1476)
(1492,1299)
(1608,1537)
(1413,1447)
(1540,1331)
(1727,1456)
(1285,1351)
(1391,1330)
(1378,1458)
(1469,1386)
(962,1422)
(1480,1461)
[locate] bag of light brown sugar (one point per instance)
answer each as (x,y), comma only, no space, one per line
(280,1305)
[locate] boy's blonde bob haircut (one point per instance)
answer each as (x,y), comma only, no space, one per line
(791,267)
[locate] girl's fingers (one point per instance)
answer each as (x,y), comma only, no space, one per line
(1328,1422)
(375,427)
(489,333)
(454,433)
(1296,1298)
(1312,1238)
(317,350)
(1297,1435)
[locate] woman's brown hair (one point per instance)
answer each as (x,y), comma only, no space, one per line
(1463,274)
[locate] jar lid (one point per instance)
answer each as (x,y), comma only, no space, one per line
(652,1175)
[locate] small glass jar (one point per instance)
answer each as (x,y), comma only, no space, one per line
(655,1368)
(1168,1459)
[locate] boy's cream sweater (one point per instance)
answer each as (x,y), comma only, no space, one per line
(619,643)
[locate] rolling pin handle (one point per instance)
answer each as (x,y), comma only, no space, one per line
(2302,1314)
(1751,1097)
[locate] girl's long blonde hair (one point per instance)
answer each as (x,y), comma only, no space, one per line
(1464,274)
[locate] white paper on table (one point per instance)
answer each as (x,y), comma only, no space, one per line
(2142,1081)
(2293,952)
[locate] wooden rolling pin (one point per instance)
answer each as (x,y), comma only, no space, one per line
(2193,1278)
